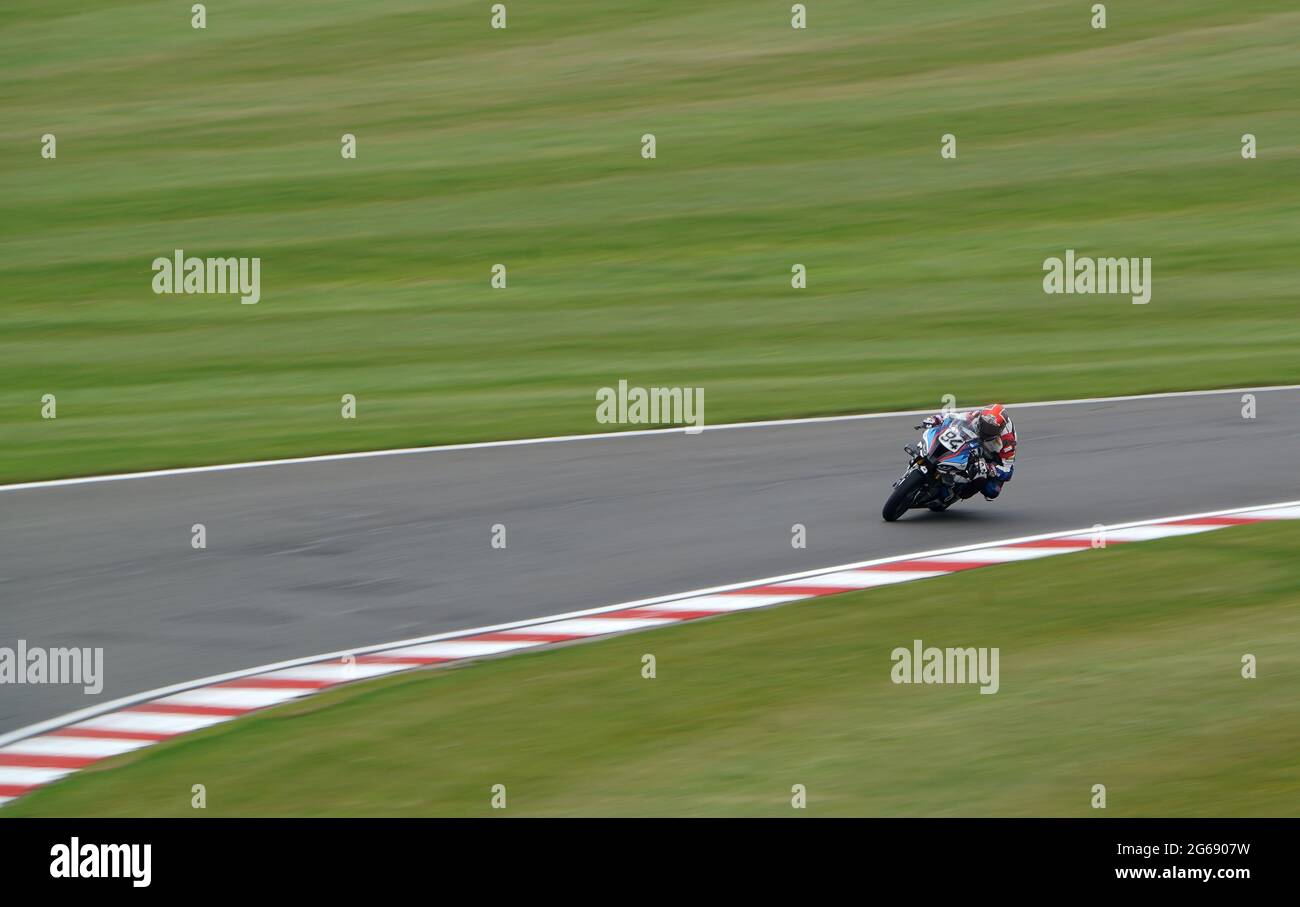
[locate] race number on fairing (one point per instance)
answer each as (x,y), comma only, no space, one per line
(951,438)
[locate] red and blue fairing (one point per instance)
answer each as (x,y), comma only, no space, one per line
(950,445)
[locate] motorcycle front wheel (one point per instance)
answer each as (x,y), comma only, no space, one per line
(904,495)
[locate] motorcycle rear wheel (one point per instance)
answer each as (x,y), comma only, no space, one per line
(904,496)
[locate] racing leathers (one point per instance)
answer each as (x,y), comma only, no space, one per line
(997,460)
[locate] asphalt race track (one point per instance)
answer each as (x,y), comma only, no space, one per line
(318,557)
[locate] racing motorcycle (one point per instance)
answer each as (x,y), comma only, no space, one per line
(947,456)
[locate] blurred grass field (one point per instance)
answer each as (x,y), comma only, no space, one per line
(1118,667)
(521,146)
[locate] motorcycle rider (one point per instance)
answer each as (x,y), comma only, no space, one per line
(997,449)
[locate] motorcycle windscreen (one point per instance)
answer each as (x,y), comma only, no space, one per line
(950,441)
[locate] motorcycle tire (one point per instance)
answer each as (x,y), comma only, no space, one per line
(903,497)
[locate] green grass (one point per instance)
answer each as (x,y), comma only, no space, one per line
(522,147)
(1118,667)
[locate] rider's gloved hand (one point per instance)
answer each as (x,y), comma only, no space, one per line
(929,422)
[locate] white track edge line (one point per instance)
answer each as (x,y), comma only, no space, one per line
(149,695)
(596,436)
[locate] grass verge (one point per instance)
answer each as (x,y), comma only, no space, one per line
(522,147)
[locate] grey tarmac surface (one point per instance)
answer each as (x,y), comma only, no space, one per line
(318,557)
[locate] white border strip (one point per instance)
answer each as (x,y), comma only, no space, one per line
(597,436)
